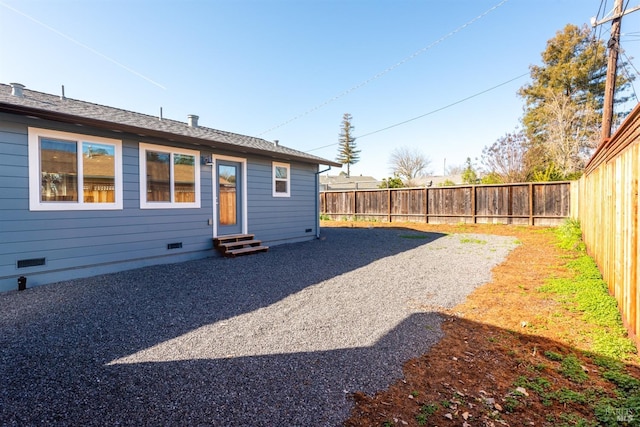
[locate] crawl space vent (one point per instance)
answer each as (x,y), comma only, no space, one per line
(33,262)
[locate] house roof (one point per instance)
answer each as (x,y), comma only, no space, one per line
(67,110)
(343,179)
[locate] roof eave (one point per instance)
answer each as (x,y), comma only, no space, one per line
(146,132)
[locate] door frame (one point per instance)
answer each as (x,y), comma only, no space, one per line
(243,189)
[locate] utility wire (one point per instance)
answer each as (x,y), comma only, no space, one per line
(629,75)
(386,71)
(429,113)
(72,40)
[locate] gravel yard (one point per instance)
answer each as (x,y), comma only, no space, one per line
(279,338)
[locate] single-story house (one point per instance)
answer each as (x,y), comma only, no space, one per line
(87,189)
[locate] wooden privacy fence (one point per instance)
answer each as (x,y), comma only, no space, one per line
(607,199)
(547,203)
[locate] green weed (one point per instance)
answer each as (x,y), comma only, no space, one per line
(539,384)
(511,404)
(414,236)
(571,368)
(587,293)
(569,235)
(429,409)
(565,395)
(425,412)
(552,355)
(474,241)
(622,380)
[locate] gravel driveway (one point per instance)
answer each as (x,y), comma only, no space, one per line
(275,339)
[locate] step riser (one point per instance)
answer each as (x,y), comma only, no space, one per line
(238,244)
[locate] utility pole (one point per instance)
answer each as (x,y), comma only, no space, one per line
(612,63)
(612,66)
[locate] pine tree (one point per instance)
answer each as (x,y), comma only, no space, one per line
(347,152)
(564,101)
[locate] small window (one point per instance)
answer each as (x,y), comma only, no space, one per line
(169,177)
(281,180)
(74,172)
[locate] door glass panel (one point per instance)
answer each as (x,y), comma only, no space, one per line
(227,194)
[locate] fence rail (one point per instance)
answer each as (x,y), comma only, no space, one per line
(547,203)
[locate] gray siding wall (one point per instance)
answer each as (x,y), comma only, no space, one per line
(277,220)
(84,243)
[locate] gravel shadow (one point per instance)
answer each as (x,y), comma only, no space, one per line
(279,338)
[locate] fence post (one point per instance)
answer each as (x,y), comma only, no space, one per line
(531,203)
(510,204)
(324,196)
(426,205)
(355,204)
(473,204)
(388,204)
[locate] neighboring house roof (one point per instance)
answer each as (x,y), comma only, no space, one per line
(438,180)
(324,179)
(343,182)
(67,110)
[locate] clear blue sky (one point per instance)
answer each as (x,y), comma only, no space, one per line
(251,66)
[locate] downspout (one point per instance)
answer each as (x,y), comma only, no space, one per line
(317,200)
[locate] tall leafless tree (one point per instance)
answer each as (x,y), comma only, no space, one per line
(409,164)
(507,157)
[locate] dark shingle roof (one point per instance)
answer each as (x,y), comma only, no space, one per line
(68,110)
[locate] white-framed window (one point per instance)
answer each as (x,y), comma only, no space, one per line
(281,180)
(70,171)
(169,177)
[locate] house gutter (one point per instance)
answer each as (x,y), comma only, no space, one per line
(317,200)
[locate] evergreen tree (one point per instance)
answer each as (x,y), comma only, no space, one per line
(563,104)
(347,152)
(391,182)
(469,174)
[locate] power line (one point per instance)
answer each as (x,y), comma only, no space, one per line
(629,76)
(429,113)
(386,71)
(72,40)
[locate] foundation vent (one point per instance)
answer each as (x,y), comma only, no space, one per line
(33,262)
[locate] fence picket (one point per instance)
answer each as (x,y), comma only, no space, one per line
(522,203)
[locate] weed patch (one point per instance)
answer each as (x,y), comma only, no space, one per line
(473,241)
(588,294)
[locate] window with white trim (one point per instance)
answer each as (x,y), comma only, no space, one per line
(69,171)
(169,177)
(281,179)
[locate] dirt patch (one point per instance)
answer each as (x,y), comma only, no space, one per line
(507,354)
